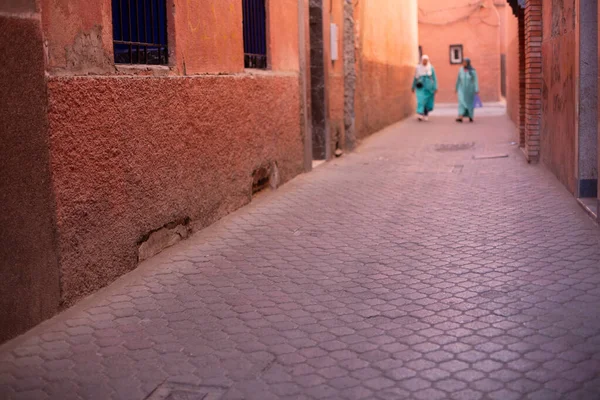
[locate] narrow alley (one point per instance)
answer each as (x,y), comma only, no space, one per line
(431,263)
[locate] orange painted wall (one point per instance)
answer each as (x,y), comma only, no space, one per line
(445,23)
(334,13)
(148,145)
(387,50)
(78,34)
(512,65)
(283,35)
(208,36)
(205,36)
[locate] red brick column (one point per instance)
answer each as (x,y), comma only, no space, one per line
(533,79)
(522,101)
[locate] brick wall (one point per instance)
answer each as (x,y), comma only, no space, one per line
(534,78)
(445,23)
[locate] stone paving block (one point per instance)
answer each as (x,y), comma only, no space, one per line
(381,275)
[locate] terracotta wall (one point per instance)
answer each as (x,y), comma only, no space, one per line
(131,155)
(335,92)
(559,53)
(29,288)
(464,22)
(136,148)
(387,50)
(512,65)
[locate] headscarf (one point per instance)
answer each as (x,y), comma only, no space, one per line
(469,67)
(424,70)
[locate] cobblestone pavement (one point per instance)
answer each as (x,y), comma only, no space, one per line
(406,270)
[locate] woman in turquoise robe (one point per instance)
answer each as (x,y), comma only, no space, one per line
(425,84)
(467,86)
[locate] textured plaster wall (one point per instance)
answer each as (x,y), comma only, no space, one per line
(460,22)
(29,288)
(559,117)
(512,65)
(130,155)
(133,149)
(387,51)
(19,6)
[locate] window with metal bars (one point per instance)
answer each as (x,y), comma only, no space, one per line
(255,34)
(140,31)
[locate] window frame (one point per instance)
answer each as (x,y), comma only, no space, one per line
(265,63)
(453,48)
(158,28)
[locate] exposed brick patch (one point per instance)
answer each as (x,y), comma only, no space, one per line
(533,78)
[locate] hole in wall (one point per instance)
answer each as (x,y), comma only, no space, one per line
(265,176)
(155,241)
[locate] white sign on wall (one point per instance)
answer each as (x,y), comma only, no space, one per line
(334,42)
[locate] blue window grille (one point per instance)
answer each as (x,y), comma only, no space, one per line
(140,31)
(255,34)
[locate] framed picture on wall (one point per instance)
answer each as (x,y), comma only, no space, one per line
(456,54)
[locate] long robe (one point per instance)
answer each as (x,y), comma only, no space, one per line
(426,94)
(467,85)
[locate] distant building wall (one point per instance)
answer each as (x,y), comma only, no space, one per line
(475,26)
(387,50)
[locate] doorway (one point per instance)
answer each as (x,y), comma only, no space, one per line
(587,112)
(318,98)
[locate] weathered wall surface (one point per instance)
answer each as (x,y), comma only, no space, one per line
(559,117)
(335,70)
(78,36)
(136,148)
(29,288)
(204,37)
(512,65)
(387,34)
(130,155)
(464,22)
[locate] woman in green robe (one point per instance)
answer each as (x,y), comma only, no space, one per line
(425,84)
(467,86)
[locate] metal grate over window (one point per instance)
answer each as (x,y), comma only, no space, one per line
(255,34)
(140,31)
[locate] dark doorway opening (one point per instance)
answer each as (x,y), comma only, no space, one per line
(320,142)
(587,135)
